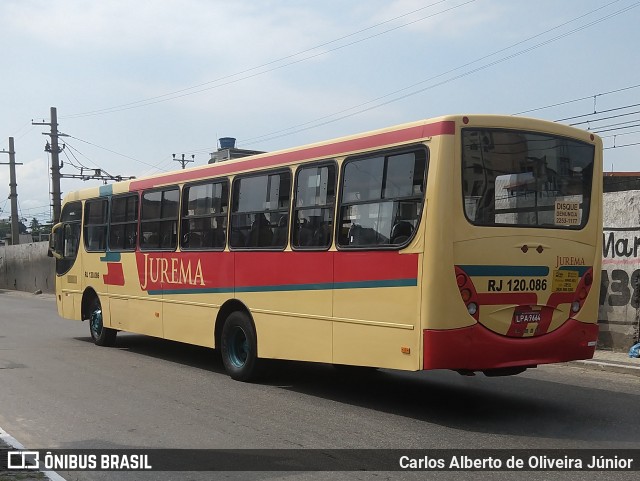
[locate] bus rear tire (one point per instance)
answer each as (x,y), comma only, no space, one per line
(102,336)
(239,348)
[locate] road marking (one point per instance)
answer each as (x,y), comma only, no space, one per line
(14,443)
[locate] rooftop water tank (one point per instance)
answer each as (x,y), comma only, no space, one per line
(227,142)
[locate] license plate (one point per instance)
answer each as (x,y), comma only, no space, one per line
(527,317)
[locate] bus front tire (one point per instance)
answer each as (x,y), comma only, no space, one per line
(239,348)
(102,336)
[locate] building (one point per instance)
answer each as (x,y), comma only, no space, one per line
(228,151)
(620,181)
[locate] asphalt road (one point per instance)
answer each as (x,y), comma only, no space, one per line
(58,390)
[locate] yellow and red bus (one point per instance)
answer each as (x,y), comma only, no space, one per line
(468,242)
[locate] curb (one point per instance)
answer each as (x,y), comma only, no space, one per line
(6,438)
(608,366)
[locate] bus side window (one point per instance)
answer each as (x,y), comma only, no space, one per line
(313,206)
(382,198)
(260,234)
(260,211)
(71,240)
(95,225)
(123,223)
(204,215)
(68,241)
(401,232)
(159,219)
(281,231)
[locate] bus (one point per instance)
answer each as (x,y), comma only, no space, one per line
(465,242)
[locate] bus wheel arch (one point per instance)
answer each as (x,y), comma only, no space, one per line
(92,311)
(225,311)
(236,337)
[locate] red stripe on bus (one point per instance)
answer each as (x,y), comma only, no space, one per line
(192,270)
(477,348)
(269,268)
(322,151)
(374,266)
(114,275)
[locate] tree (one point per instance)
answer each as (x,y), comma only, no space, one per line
(35,226)
(5,228)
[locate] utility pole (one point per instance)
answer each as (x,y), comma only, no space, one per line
(54,149)
(15,225)
(184,161)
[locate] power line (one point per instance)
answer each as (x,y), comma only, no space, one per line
(37,207)
(190,90)
(620,134)
(99,173)
(5,204)
(559,104)
(321,121)
(618,123)
(72,148)
(15,134)
(617,128)
(590,121)
(112,151)
(620,146)
(445,81)
(69,160)
(160,166)
(597,113)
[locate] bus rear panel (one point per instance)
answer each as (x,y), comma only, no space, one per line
(525,252)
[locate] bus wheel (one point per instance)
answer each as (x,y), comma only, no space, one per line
(102,336)
(239,348)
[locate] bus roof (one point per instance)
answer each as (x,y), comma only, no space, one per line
(376,139)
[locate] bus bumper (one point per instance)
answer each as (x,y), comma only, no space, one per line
(475,348)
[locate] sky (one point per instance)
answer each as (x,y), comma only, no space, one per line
(135,82)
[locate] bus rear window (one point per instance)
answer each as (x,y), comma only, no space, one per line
(516,178)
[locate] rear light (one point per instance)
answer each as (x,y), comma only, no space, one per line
(588,278)
(467,293)
(582,291)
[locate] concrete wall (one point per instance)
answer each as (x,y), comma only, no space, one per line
(26,267)
(619,316)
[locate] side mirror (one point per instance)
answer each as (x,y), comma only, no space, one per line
(56,241)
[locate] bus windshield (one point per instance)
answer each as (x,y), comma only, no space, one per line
(517,178)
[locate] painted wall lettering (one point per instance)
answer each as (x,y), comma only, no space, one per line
(619,313)
(618,288)
(615,246)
